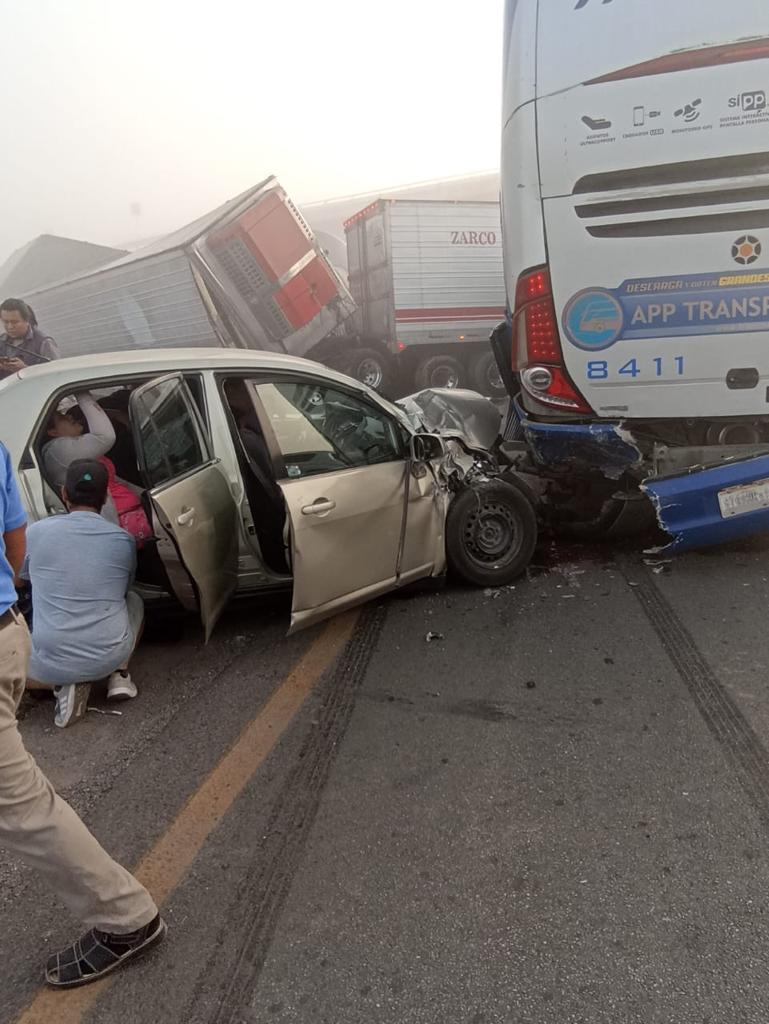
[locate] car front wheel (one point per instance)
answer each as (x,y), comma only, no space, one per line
(491,533)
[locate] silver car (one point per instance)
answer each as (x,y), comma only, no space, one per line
(262,471)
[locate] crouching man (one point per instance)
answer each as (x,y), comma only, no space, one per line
(86,621)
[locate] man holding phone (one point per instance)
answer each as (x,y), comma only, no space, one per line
(23,343)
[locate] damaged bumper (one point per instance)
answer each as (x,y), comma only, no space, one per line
(712,505)
(699,506)
(606,447)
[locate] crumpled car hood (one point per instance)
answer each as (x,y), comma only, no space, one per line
(452,412)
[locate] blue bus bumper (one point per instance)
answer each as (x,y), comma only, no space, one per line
(687,504)
(605,447)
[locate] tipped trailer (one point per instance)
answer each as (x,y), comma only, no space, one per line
(250,274)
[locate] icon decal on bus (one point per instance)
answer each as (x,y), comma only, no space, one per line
(746,249)
(593,319)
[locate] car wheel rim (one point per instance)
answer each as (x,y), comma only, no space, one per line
(370,373)
(491,535)
(444,377)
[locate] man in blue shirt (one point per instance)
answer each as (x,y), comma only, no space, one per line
(37,825)
(86,621)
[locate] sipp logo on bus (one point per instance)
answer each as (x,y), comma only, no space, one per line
(755,100)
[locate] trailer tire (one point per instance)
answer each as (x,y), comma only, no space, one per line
(439,372)
(485,376)
(491,533)
(371,367)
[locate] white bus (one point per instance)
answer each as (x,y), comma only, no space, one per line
(635,203)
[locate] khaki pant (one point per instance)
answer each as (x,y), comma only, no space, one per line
(43,830)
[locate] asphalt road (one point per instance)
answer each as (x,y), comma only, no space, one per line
(556,813)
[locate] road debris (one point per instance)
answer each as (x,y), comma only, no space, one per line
(103,711)
(569,571)
(432,635)
(658,565)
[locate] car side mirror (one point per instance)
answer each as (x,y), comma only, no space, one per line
(426,447)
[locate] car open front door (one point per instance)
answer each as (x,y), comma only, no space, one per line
(194,512)
(360,524)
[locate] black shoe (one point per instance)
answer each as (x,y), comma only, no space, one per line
(98,953)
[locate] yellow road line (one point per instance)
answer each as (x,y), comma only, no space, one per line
(166,864)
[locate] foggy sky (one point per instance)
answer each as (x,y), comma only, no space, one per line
(177,105)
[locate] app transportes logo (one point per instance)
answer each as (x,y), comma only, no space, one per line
(593,319)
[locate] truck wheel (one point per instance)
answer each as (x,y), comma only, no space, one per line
(491,533)
(439,372)
(486,377)
(371,367)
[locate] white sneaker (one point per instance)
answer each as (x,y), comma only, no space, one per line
(120,686)
(71,703)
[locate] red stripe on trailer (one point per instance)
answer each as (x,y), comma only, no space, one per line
(445,313)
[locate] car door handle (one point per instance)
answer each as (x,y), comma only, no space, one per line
(186,517)
(319,507)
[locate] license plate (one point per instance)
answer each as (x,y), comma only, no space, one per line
(736,501)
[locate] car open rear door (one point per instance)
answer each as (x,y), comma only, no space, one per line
(194,512)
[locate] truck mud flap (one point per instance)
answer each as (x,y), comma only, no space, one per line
(712,505)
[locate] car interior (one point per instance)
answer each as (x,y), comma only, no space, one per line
(150,569)
(264,497)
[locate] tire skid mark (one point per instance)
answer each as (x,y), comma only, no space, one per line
(258,902)
(729,727)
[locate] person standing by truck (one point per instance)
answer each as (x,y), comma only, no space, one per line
(22,343)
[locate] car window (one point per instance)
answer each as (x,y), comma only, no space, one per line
(320,429)
(172,441)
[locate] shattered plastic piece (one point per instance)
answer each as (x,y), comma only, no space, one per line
(103,711)
(658,565)
(655,551)
(632,583)
(569,571)
(490,592)
(565,597)
(432,635)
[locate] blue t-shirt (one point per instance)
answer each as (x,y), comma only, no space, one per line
(80,567)
(12,516)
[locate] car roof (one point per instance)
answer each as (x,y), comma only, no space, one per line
(150,360)
(23,395)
